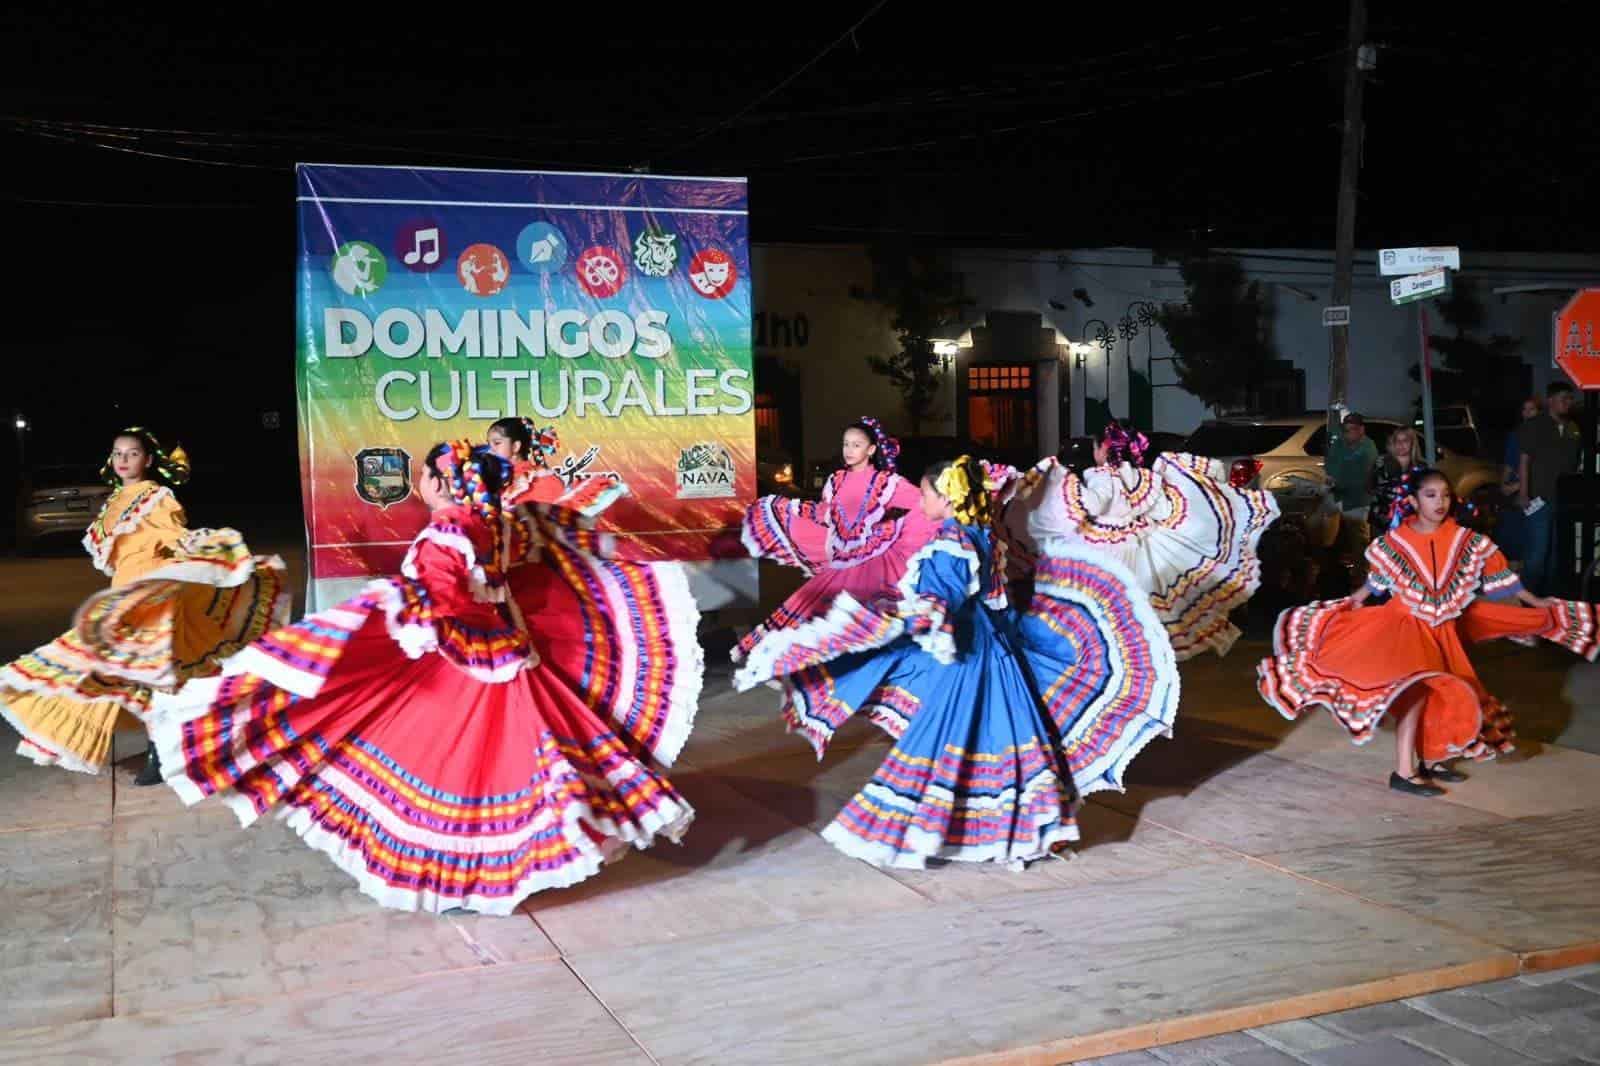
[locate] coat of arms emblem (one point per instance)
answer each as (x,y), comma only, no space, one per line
(383,475)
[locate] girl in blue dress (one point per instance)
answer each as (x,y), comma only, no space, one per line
(1003,718)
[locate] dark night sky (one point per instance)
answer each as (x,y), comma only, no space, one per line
(1015,124)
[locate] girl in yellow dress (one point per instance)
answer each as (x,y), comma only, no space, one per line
(180,601)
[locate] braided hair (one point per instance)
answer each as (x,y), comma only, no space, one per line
(962,481)
(473,477)
(1123,443)
(974,488)
(531,442)
(166,468)
(888,449)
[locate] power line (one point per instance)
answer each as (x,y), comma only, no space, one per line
(82,141)
(1060,119)
(764,97)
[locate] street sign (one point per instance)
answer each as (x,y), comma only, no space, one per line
(1336,316)
(1392,261)
(1577,339)
(1419,286)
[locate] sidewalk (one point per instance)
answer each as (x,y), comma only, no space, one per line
(1256,873)
(1545,1018)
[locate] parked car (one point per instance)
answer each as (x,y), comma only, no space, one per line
(1165,442)
(1285,456)
(775,474)
(58,501)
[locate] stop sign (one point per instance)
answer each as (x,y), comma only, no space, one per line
(1577,339)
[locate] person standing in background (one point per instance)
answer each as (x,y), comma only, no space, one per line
(1350,463)
(1549,446)
(1508,533)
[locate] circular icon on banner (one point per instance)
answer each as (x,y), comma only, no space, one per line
(602,272)
(712,274)
(483,269)
(542,248)
(359,268)
(420,245)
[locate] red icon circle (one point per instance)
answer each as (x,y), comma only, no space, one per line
(712,273)
(483,269)
(601,271)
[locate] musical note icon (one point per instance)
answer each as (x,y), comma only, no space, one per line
(429,237)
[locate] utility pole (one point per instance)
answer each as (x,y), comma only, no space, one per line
(1345,241)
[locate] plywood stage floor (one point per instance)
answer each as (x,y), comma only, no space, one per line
(1254,872)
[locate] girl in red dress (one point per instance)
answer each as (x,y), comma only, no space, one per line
(413,734)
(529,449)
(1447,587)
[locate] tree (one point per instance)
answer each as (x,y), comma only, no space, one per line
(1484,372)
(1222,338)
(923,294)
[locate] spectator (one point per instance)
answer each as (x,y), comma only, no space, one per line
(1508,533)
(1404,458)
(1511,475)
(1349,465)
(1549,445)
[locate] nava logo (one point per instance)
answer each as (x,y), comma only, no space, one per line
(705,472)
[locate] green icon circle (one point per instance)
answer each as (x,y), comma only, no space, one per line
(358,268)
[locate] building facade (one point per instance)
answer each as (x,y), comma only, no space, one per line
(1055,341)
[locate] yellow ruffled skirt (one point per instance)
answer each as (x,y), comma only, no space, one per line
(130,642)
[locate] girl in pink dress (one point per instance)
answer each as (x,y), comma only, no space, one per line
(858,538)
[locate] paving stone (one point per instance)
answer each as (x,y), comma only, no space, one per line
(1537,1039)
(1207,1049)
(1462,1047)
(1465,1008)
(1494,988)
(1384,1051)
(1539,999)
(1263,1056)
(1299,1037)
(1127,1058)
(1376,1020)
(1577,1029)
(1551,977)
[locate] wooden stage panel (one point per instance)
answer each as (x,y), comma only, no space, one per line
(741,866)
(55,930)
(497,1016)
(1519,894)
(1264,804)
(208,911)
(46,797)
(960,980)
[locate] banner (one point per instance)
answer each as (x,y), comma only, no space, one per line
(615,308)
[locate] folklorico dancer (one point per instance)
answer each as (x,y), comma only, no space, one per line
(414,734)
(529,448)
(858,539)
(623,633)
(1447,587)
(180,602)
(1003,718)
(1186,534)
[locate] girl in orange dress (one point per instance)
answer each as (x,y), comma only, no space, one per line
(1447,586)
(181,600)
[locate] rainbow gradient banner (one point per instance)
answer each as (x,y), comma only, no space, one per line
(431,302)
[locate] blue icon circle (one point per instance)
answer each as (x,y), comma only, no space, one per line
(542,248)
